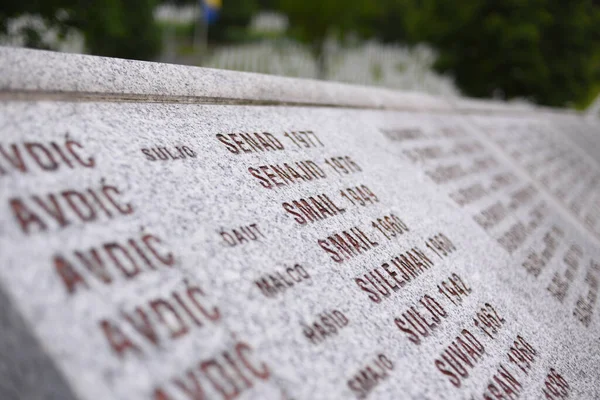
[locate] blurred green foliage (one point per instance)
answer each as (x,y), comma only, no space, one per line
(124,29)
(312,22)
(547,51)
(234,17)
(113,28)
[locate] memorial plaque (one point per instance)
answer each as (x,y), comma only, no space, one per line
(176,233)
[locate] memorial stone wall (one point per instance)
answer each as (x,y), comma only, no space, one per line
(177,233)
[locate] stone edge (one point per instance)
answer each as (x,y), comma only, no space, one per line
(27,74)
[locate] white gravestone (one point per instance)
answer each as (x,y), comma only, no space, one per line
(176,233)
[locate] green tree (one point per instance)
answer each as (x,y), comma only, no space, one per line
(313,21)
(114,28)
(233,20)
(47,10)
(545,50)
(124,29)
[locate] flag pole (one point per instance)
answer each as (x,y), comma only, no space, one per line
(201,33)
(208,13)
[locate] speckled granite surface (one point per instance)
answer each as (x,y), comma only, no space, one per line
(177,233)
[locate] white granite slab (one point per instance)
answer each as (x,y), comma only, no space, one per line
(122,189)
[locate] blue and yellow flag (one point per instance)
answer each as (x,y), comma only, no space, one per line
(210,9)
